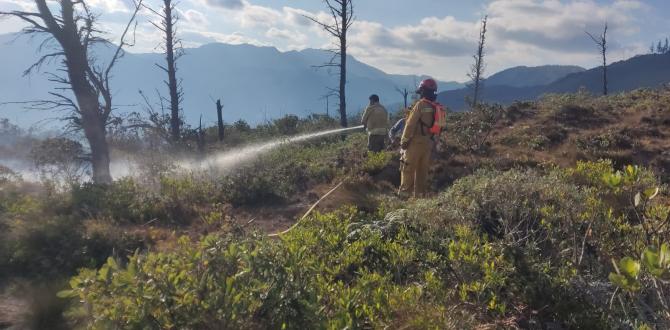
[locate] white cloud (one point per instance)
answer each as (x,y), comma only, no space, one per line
(109,6)
(296,40)
(236,38)
(559,26)
(529,32)
(24,5)
(194,18)
(521,32)
(226,4)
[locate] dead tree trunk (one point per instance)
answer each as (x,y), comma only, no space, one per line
(477,69)
(219,114)
(342,13)
(601,42)
(75,31)
(172,47)
(405,93)
(343,68)
(200,138)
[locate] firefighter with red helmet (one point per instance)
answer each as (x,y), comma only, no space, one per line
(417,142)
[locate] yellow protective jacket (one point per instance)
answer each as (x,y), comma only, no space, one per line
(376,119)
(418,123)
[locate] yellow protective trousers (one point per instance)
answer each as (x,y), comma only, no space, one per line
(415,166)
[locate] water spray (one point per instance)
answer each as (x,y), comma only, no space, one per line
(228,159)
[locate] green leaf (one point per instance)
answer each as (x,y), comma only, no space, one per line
(629,267)
(112,263)
(66,294)
(103,273)
(651,193)
(664,255)
(651,261)
(613,179)
(632,171)
(624,282)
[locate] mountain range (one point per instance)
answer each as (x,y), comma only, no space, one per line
(262,83)
(254,83)
(641,71)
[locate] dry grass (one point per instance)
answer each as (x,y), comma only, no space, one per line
(629,128)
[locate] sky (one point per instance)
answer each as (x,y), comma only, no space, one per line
(431,37)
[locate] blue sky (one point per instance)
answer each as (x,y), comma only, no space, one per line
(434,37)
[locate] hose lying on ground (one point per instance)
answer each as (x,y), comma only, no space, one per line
(308,211)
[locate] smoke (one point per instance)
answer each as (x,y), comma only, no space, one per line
(21,167)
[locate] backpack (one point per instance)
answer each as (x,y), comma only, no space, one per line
(439,118)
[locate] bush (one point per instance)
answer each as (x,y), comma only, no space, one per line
(377,161)
(471,130)
(479,253)
(59,159)
(338,271)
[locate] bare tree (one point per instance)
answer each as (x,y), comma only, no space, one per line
(405,93)
(219,114)
(601,42)
(75,32)
(173,50)
(155,123)
(477,69)
(200,137)
(342,14)
(327,98)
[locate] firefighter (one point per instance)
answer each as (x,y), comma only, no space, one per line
(376,122)
(417,142)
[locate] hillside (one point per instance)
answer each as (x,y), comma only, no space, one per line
(638,72)
(521,232)
(254,83)
(523,76)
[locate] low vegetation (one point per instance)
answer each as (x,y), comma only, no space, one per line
(550,214)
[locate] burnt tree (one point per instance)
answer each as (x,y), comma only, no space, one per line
(167,22)
(71,34)
(327,98)
(200,137)
(405,93)
(219,114)
(342,14)
(476,74)
(601,42)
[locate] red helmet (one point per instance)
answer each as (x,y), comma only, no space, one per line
(429,84)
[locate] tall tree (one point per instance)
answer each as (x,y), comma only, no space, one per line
(342,14)
(75,32)
(477,69)
(601,42)
(167,25)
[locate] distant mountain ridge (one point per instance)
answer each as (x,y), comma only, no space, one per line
(643,71)
(523,76)
(254,83)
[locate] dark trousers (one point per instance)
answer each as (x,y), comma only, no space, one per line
(376,142)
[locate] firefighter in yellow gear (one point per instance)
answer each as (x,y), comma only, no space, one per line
(417,142)
(376,122)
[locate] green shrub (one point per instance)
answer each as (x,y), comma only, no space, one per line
(377,161)
(472,129)
(478,252)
